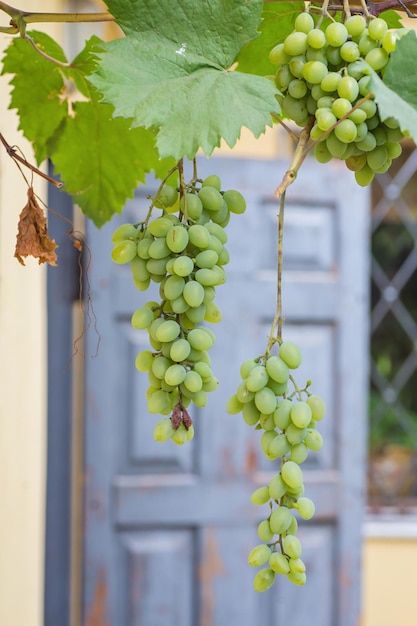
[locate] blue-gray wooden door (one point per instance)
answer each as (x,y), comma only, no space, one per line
(167,528)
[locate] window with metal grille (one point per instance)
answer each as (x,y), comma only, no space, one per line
(393,377)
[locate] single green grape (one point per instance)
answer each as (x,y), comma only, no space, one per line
(278,56)
(297,88)
(179,350)
(377,157)
(212,181)
(144,361)
(296,65)
(336,34)
(290,353)
(322,153)
(301,414)
(264,579)
(160,226)
(177,239)
(295,109)
(389,41)
(193,381)
(297,578)
(211,198)
(313,439)
(259,555)
(124,252)
(159,249)
(277,487)
(330,81)
(299,453)
(260,496)
(292,475)
(292,546)
(265,400)
(317,406)
(142,318)
(325,119)
(295,43)
(377,58)
(316,39)
(125,231)
(280,518)
(314,72)
(346,131)
(163,429)
(377,28)
(304,22)
(348,88)
(235,201)
(366,43)
(279,563)
(264,531)
(355,25)
(166,197)
(192,206)
(305,507)
(349,51)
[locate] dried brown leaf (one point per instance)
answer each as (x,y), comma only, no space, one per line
(32,237)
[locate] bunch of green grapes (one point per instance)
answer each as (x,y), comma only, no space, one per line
(325,72)
(183,250)
(289,425)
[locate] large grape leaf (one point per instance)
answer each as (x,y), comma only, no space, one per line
(396,94)
(100,159)
(216,28)
(172,72)
(277,23)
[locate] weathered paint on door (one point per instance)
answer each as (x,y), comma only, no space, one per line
(168,529)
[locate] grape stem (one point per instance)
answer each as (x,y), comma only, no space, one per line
(346,8)
(312,143)
(183,188)
(278,320)
(297,390)
(300,154)
(291,133)
(155,197)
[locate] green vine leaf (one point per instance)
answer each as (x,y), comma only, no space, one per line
(172,73)
(110,162)
(396,95)
(100,159)
(37,92)
(277,23)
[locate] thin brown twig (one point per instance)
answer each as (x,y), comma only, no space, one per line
(11,151)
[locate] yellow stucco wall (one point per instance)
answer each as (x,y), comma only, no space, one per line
(390,573)
(22,390)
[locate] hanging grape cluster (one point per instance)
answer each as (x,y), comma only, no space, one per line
(288,420)
(325,72)
(183,250)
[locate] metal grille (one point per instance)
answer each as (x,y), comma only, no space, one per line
(393,384)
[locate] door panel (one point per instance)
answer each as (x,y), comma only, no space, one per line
(167,528)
